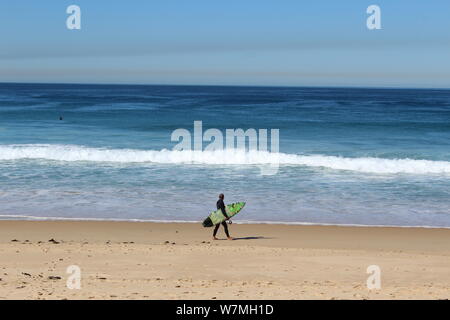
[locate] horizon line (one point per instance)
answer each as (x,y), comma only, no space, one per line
(232,85)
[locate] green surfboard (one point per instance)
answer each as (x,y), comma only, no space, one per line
(217,216)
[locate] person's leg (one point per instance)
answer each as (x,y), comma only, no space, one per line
(226,230)
(215,231)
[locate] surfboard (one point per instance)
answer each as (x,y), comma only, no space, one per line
(217,216)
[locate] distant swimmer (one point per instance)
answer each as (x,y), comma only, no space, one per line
(61,118)
(221,206)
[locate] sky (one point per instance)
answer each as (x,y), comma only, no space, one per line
(228,42)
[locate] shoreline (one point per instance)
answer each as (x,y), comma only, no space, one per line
(128,260)
(246,222)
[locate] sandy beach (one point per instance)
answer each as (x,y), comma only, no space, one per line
(137,260)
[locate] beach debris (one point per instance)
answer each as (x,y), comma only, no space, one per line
(53,241)
(166,242)
(26,274)
(101,278)
(54,278)
(14,240)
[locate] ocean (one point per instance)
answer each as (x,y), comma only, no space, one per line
(349,156)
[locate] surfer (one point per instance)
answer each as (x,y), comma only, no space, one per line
(221,206)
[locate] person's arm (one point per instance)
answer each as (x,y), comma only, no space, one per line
(222,207)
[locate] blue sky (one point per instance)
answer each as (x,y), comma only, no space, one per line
(246,42)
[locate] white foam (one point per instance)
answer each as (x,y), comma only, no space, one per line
(37,218)
(227,157)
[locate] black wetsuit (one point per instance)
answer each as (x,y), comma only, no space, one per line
(221,206)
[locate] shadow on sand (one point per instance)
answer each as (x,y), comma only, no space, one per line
(246,238)
(252,238)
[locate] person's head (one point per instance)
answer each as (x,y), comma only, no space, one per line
(221,196)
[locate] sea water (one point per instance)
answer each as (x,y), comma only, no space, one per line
(346,156)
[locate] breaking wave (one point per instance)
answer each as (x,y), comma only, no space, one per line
(226,157)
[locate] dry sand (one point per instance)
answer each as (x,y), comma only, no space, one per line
(127,260)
